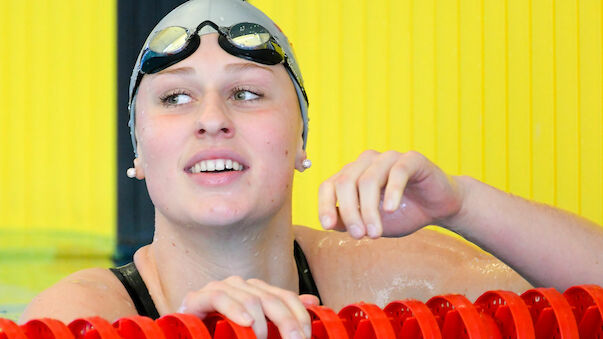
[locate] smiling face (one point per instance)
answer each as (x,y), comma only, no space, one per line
(214,111)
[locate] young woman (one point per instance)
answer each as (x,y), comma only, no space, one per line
(219,124)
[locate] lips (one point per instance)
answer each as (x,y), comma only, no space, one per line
(216,167)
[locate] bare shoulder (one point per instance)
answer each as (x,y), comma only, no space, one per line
(417,266)
(88,292)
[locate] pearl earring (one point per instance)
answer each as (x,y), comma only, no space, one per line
(131,172)
(307,163)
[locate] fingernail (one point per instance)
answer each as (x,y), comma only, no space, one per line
(308,331)
(372,230)
(325,221)
(356,231)
(247,318)
(389,205)
(295,335)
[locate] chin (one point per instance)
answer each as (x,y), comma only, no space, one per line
(220,213)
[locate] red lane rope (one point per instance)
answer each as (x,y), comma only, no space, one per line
(10,330)
(551,313)
(587,304)
(509,312)
(413,319)
(539,313)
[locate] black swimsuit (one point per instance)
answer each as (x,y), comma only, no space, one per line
(130,278)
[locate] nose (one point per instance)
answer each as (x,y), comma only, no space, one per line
(213,119)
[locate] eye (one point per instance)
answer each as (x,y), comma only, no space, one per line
(245,95)
(175,99)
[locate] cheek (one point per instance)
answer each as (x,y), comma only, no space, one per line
(278,145)
(159,141)
(160,145)
(275,139)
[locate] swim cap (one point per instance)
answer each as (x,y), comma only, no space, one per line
(224,13)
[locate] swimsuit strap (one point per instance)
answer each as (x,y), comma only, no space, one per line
(132,281)
(137,289)
(306,281)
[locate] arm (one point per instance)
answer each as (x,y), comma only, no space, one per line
(545,245)
(548,246)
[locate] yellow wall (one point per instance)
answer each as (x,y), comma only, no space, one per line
(57,108)
(507,91)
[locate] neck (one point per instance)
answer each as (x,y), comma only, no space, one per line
(186,258)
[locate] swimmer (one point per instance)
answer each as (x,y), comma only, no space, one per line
(219,125)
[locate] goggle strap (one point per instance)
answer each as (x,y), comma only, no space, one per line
(207,23)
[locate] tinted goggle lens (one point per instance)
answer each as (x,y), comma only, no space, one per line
(248,36)
(169,40)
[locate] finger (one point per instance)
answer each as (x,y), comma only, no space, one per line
(370,184)
(274,308)
(292,301)
(347,198)
(339,224)
(309,300)
(327,201)
(346,191)
(203,302)
(406,166)
(251,301)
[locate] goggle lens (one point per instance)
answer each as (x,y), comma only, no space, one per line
(248,35)
(169,40)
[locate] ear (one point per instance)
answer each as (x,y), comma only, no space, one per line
(139,168)
(299,159)
(301,154)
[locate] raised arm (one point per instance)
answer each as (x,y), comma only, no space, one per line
(394,194)
(548,246)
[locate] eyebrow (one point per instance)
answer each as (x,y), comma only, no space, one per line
(231,68)
(179,70)
(243,66)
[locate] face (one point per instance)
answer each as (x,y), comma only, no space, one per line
(216,111)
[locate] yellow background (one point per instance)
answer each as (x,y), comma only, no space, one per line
(509,92)
(57,146)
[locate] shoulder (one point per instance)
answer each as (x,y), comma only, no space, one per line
(90,292)
(427,245)
(419,266)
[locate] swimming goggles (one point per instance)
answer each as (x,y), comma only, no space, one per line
(244,40)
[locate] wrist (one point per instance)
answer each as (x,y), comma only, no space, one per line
(455,222)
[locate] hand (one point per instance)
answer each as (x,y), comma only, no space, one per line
(250,302)
(388,194)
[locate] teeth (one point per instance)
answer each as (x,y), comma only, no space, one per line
(196,168)
(216,165)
